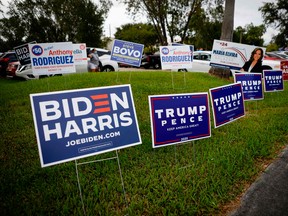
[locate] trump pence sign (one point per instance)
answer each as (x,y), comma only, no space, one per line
(80,123)
(179,118)
(228,103)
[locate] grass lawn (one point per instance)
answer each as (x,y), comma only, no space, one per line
(196,178)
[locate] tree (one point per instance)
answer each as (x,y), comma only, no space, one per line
(166,15)
(250,34)
(228,21)
(226,35)
(54,21)
(206,27)
(139,33)
(275,14)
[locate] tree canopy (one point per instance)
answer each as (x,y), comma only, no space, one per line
(275,14)
(53,21)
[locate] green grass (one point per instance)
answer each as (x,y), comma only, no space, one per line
(190,179)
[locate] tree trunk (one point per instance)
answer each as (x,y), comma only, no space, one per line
(228,21)
(226,35)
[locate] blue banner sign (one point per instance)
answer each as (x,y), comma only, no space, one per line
(80,123)
(273,80)
(179,118)
(127,52)
(228,103)
(251,85)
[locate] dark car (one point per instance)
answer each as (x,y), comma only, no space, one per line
(153,61)
(5,59)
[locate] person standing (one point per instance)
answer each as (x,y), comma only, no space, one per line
(254,64)
(94,61)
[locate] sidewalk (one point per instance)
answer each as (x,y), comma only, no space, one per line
(268,195)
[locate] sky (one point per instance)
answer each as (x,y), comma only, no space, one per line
(246,12)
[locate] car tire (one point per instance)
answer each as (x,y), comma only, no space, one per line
(157,66)
(182,70)
(107,68)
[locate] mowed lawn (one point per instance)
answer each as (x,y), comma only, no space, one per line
(196,178)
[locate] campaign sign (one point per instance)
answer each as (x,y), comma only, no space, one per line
(127,52)
(179,118)
(228,103)
(273,80)
(230,54)
(175,57)
(251,85)
(52,58)
(284,68)
(80,54)
(22,53)
(79,123)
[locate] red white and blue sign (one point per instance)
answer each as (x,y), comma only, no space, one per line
(79,123)
(228,103)
(251,85)
(127,52)
(273,80)
(179,118)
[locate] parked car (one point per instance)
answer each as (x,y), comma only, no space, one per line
(107,65)
(275,56)
(151,61)
(201,62)
(5,59)
(11,69)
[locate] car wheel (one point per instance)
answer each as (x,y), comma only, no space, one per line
(182,70)
(107,68)
(157,66)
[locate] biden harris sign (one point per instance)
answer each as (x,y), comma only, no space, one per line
(75,124)
(179,118)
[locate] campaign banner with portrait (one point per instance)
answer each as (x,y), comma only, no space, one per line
(127,52)
(284,68)
(80,54)
(231,55)
(79,123)
(179,118)
(251,85)
(52,58)
(227,103)
(273,80)
(175,57)
(23,54)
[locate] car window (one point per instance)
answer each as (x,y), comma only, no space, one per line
(100,52)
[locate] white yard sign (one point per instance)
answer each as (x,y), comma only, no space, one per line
(52,58)
(174,57)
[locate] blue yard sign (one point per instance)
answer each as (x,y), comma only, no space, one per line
(251,85)
(179,118)
(273,80)
(127,52)
(79,123)
(228,103)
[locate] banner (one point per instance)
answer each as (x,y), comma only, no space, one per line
(231,55)
(251,85)
(22,53)
(227,103)
(175,57)
(52,58)
(80,54)
(284,68)
(79,123)
(273,80)
(127,52)
(179,118)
